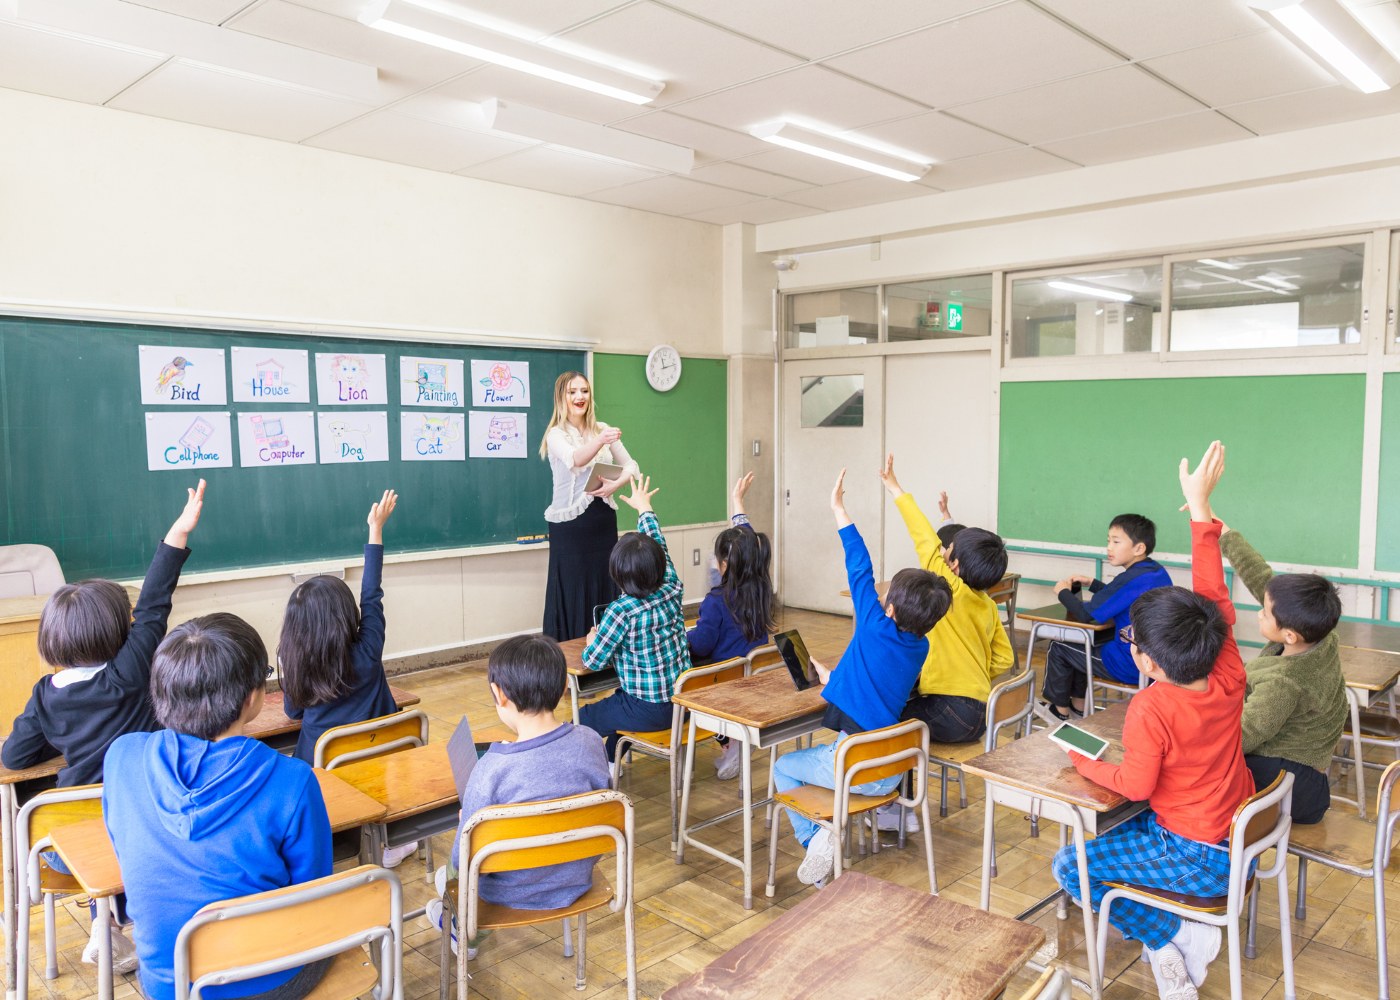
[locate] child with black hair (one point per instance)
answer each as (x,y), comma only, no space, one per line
(1296,705)
(642,632)
(1182,754)
(1131,539)
(870,685)
(199,812)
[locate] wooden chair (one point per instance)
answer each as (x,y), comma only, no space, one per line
(42,814)
(1260,824)
(333,917)
(1008,706)
(1359,848)
(531,835)
(763,658)
(1004,592)
(1053,984)
(669,744)
(865,757)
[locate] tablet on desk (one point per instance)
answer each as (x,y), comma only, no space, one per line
(1071,737)
(797,659)
(601,471)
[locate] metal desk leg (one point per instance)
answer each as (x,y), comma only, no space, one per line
(573,696)
(989,848)
(1091,952)
(102,925)
(11,915)
(685,793)
(1088,674)
(746,778)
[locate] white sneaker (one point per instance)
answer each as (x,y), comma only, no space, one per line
(1169,969)
(394,856)
(887,819)
(821,853)
(729,760)
(123,952)
(432,913)
(1199,944)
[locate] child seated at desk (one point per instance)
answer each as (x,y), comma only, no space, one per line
(1131,539)
(870,685)
(548,760)
(200,813)
(1182,754)
(101,655)
(642,634)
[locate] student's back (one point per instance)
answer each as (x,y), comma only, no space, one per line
(736,616)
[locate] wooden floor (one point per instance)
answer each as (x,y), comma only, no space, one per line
(688,914)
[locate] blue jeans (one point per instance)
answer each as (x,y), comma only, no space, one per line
(119,917)
(622,711)
(817,766)
(950,718)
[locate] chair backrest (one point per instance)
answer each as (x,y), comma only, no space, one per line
(862,757)
(45,813)
(280,929)
(1004,593)
(28,570)
(548,832)
(372,738)
(1387,816)
(1010,702)
(712,673)
(1261,822)
(764,658)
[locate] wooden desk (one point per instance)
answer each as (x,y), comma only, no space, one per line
(1365,635)
(1368,675)
(1034,775)
(761,712)
(416,788)
(1048,621)
(1368,670)
(582,681)
(864,937)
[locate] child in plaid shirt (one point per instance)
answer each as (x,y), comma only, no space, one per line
(642,634)
(1183,753)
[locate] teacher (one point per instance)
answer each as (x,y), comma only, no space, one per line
(582,525)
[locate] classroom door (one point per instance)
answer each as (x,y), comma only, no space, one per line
(833,416)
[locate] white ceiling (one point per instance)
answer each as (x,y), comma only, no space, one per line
(992,90)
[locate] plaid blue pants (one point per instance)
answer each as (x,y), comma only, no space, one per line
(1144,853)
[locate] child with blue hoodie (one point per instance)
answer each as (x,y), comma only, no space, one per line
(200,813)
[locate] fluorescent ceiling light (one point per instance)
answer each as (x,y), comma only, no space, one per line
(435,23)
(524,122)
(1278,282)
(1223,265)
(1331,34)
(1098,293)
(851,150)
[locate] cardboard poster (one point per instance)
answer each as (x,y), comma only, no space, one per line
(351,378)
(496,435)
(435,382)
(187,441)
(182,376)
(432,437)
(350,437)
(270,375)
(276,438)
(500,383)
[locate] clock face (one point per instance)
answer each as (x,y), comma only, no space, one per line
(663,368)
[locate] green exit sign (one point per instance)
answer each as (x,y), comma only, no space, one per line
(955,317)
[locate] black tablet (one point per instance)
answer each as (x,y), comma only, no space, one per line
(798,660)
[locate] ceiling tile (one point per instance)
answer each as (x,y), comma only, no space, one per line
(754,212)
(207,96)
(813,30)
(209,11)
(992,168)
(543,16)
(546,168)
(691,56)
(710,142)
(1141,29)
(1007,48)
(672,196)
(938,136)
(741,178)
(791,163)
(399,138)
(75,69)
(1311,108)
(1242,69)
(1094,102)
(862,191)
(1202,128)
(811,92)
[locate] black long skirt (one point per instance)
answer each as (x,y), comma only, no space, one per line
(578,579)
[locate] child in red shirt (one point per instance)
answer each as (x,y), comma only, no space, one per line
(1182,752)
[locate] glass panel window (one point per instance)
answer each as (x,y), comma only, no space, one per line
(833,401)
(836,318)
(1114,309)
(1275,298)
(939,309)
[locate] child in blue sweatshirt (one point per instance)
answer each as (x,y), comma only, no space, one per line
(871,684)
(200,813)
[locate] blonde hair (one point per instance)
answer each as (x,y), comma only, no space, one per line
(561,409)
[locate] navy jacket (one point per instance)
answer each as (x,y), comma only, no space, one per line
(1112,601)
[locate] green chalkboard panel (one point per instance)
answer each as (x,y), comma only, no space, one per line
(679,438)
(1075,453)
(73,455)
(1387,518)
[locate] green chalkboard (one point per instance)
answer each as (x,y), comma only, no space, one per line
(1387,523)
(1075,453)
(679,438)
(73,455)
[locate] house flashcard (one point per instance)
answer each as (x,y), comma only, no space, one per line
(350,379)
(433,382)
(270,375)
(353,436)
(276,438)
(432,437)
(500,383)
(188,441)
(182,376)
(496,435)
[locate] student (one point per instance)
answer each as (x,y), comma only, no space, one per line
(642,634)
(200,813)
(1182,753)
(871,683)
(736,616)
(101,655)
(738,519)
(1131,539)
(548,760)
(1296,703)
(969,645)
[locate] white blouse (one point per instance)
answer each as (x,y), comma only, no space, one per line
(570,500)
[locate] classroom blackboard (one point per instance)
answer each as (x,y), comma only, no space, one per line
(72,450)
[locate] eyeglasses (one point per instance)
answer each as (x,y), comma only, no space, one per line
(1126,634)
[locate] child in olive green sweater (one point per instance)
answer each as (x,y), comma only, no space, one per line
(1295,703)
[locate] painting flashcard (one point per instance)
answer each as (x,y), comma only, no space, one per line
(270,375)
(500,383)
(351,378)
(188,441)
(182,376)
(431,382)
(353,436)
(496,435)
(432,437)
(276,438)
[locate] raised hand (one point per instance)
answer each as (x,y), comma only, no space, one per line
(1197,486)
(640,498)
(887,478)
(741,487)
(179,533)
(943,511)
(838,500)
(378,514)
